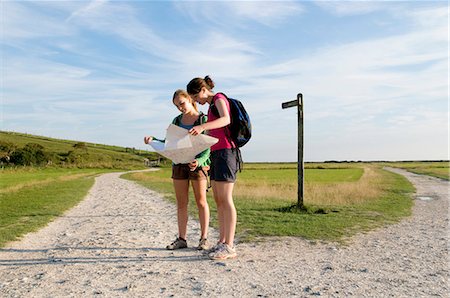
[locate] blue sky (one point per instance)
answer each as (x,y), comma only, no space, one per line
(374,74)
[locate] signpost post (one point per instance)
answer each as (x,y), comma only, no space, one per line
(299,104)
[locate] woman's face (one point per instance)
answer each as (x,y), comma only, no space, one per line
(201,97)
(183,104)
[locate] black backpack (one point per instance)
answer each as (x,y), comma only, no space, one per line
(240,127)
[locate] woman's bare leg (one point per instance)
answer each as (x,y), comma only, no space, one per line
(219,212)
(182,194)
(199,187)
(223,195)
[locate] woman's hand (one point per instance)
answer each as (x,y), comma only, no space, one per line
(148,139)
(196,130)
(193,165)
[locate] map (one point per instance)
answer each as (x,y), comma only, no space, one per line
(180,146)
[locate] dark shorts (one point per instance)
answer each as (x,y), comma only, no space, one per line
(182,171)
(224,165)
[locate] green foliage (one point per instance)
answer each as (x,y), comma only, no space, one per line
(18,149)
(6,149)
(31,155)
(80,145)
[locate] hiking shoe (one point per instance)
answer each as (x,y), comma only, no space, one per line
(213,248)
(224,252)
(203,244)
(177,244)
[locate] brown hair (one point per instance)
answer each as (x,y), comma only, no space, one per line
(195,85)
(181,92)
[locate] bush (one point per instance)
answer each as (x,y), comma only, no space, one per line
(80,145)
(77,156)
(30,155)
(6,150)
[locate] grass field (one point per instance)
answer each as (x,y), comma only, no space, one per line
(53,144)
(30,198)
(66,155)
(438,169)
(341,199)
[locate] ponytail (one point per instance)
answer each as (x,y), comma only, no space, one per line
(196,85)
(209,82)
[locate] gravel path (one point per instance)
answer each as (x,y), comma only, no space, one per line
(112,243)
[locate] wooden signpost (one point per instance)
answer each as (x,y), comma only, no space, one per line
(299,104)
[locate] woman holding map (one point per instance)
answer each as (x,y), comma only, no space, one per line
(224,162)
(196,172)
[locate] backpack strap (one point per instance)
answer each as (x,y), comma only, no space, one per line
(201,119)
(177,120)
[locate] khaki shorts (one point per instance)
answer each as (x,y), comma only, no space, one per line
(183,172)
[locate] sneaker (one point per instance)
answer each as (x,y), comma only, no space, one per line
(213,248)
(177,244)
(203,244)
(224,252)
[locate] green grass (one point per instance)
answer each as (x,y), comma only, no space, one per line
(332,222)
(30,206)
(30,197)
(439,169)
(10,178)
(93,156)
(283,175)
(53,144)
(261,216)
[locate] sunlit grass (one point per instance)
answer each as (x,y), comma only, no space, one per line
(31,198)
(322,186)
(340,201)
(440,169)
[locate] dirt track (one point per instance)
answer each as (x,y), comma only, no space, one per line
(112,243)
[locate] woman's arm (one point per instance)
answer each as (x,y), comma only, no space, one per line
(223,120)
(149,139)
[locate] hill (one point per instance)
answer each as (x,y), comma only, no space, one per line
(19,149)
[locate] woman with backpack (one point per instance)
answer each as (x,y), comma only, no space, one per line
(224,162)
(196,172)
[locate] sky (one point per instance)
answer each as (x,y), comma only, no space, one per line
(374,75)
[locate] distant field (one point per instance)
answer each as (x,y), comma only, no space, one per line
(293,165)
(341,199)
(311,175)
(439,169)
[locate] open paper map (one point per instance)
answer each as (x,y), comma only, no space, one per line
(180,146)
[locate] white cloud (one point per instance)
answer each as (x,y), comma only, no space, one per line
(88,9)
(237,13)
(358,95)
(362,91)
(349,8)
(20,21)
